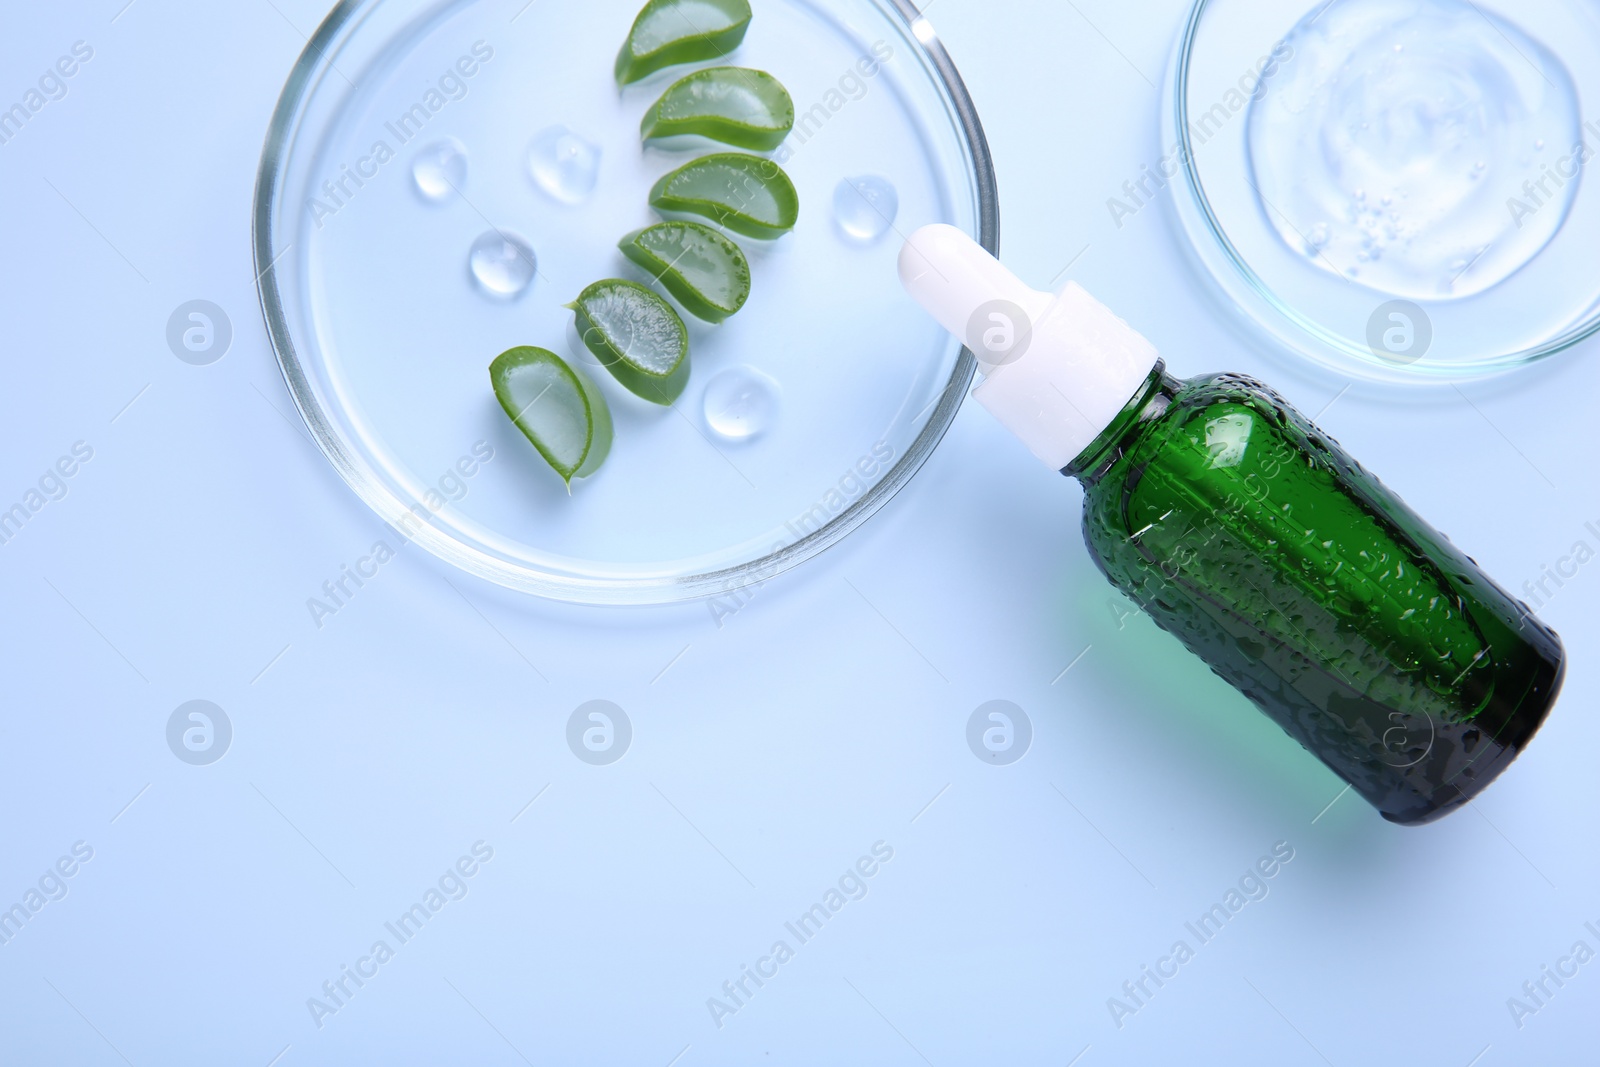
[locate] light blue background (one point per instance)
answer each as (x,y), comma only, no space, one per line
(769,753)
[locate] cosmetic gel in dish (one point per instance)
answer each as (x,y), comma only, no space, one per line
(1422,148)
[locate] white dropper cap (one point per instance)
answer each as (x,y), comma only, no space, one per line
(1060,368)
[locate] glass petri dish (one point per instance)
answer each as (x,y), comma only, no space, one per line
(441,177)
(1351,174)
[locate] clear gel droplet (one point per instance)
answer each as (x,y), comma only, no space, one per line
(502,264)
(440,169)
(741,403)
(865,208)
(564,165)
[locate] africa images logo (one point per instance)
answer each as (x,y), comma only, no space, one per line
(199,733)
(1399,332)
(999,332)
(599,732)
(999,733)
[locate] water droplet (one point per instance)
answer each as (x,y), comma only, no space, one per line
(564,165)
(865,208)
(503,264)
(440,169)
(741,403)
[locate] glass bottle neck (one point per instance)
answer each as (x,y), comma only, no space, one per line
(1149,403)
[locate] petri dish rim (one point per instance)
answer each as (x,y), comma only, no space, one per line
(314,63)
(1260,301)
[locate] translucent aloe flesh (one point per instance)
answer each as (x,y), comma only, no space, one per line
(561,412)
(668,33)
(735,105)
(746,194)
(703,270)
(637,336)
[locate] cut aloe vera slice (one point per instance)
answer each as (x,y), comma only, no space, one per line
(735,105)
(705,271)
(637,337)
(559,409)
(746,194)
(670,32)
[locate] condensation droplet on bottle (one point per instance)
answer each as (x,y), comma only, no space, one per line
(741,403)
(440,169)
(503,264)
(564,165)
(865,208)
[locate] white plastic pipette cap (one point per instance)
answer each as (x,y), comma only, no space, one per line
(1059,368)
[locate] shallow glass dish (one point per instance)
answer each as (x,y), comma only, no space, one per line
(826,393)
(1518,283)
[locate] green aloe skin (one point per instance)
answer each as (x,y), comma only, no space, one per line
(1253,538)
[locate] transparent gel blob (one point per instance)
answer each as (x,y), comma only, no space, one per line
(1423,148)
(440,169)
(502,264)
(865,208)
(741,403)
(564,165)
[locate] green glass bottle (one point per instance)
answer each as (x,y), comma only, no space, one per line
(1248,534)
